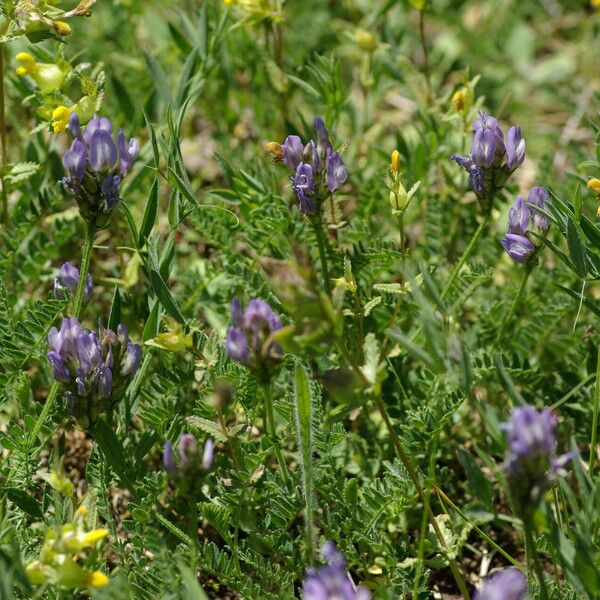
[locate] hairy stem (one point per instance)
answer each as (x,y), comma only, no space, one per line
(319,233)
(595,418)
(401,229)
(425,54)
(515,304)
(468,251)
(271,430)
(3,143)
(533,557)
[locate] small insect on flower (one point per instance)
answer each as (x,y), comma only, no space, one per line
(332,582)
(507,584)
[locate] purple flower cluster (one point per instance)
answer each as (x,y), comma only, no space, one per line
(189,459)
(523,218)
(492,158)
(531,464)
(66,282)
(318,169)
(249,341)
(95,368)
(508,584)
(332,581)
(96,165)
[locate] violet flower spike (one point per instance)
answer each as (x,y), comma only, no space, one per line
(75,160)
(68,278)
(508,584)
(483,150)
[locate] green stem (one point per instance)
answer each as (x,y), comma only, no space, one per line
(515,304)
(84,269)
(173,529)
(401,228)
(532,556)
(468,251)
(271,431)
(425,54)
(318,227)
(595,417)
(193,528)
(3,143)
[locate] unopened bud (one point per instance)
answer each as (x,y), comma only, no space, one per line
(395,164)
(366,40)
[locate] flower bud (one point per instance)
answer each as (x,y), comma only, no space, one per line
(366,40)
(395,164)
(399,197)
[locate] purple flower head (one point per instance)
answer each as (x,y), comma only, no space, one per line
(67,280)
(75,160)
(518,247)
(508,584)
(336,171)
(515,148)
(483,150)
(96,165)
(292,151)
(249,342)
(332,582)
(236,345)
(93,367)
(491,161)
(518,217)
(531,463)
(190,461)
(317,169)
(539,198)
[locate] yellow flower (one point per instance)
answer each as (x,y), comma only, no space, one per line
(594,184)
(28,64)
(395,164)
(48,76)
(60,118)
(93,536)
(173,341)
(96,579)
(596,4)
